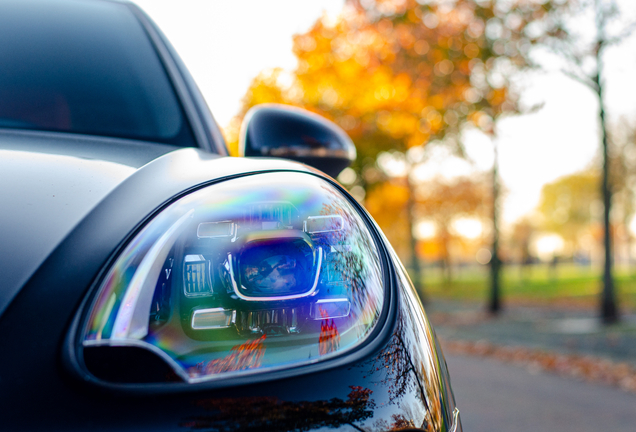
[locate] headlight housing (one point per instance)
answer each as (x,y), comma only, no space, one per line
(262,272)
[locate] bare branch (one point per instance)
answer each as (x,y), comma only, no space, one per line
(627,32)
(534,108)
(585,80)
(574,57)
(567,50)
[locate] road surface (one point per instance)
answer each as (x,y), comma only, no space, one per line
(498,397)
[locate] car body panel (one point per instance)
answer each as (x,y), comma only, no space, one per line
(395,380)
(51,182)
(57,179)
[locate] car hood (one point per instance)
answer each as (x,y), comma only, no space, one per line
(51,182)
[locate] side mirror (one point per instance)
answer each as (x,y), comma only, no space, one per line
(282,131)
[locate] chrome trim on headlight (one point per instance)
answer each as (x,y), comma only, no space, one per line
(131,320)
(199,318)
(453,427)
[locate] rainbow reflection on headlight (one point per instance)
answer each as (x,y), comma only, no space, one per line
(256,273)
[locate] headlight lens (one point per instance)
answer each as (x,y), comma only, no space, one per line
(256,273)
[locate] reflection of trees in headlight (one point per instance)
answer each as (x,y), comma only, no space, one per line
(244,356)
(355,269)
(329,339)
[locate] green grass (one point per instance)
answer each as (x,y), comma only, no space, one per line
(569,284)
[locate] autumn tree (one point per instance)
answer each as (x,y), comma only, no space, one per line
(520,240)
(584,61)
(623,178)
(572,204)
(567,205)
(397,74)
(387,202)
(444,202)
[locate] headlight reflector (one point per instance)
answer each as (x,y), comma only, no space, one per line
(278,265)
(256,273)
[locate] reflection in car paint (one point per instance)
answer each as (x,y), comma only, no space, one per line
(422,357)
(272,414)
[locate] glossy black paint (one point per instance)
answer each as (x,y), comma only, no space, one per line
(400,368)
(271,130)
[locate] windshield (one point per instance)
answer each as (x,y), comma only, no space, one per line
(84,67)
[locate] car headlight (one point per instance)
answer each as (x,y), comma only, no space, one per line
(255,273)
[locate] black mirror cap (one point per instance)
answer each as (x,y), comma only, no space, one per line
(283,131)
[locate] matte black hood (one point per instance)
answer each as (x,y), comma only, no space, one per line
(48,183)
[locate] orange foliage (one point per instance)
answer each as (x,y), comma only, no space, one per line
(444,202)
(387,204)
(431,249)
(395,74)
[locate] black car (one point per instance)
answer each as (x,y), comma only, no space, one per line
(148,281)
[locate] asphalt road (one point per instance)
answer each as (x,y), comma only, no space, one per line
(497,397)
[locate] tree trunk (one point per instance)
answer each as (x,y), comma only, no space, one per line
(525,260)
(416,270)
(609,309)
(494,306)
(446,261)
(630,258)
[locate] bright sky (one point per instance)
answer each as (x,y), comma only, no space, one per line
(227,43)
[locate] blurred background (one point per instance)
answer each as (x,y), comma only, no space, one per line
(496,149)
